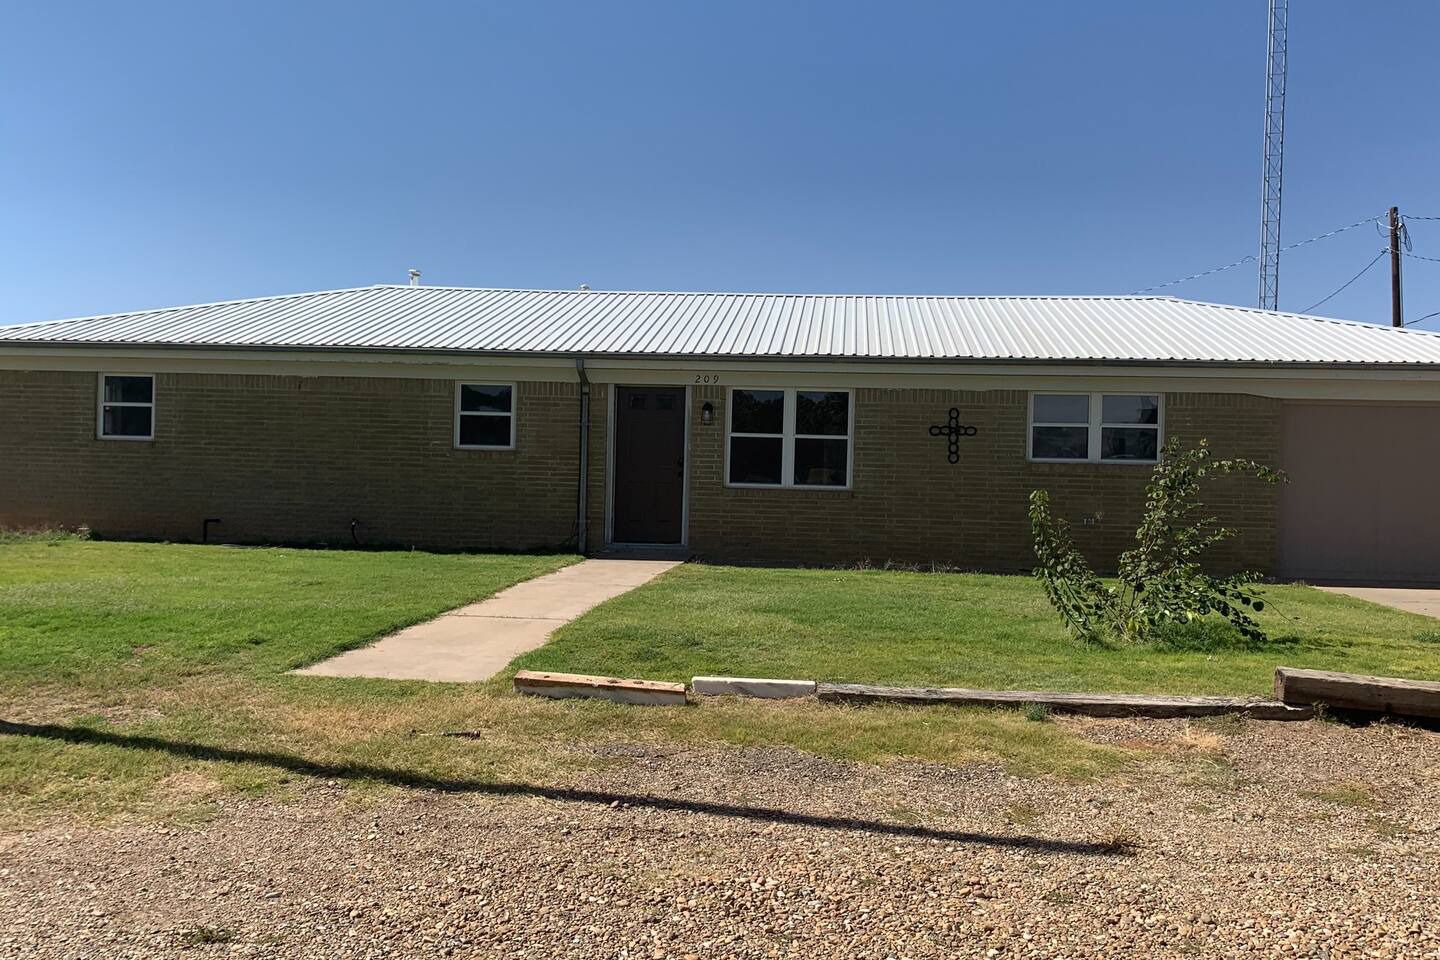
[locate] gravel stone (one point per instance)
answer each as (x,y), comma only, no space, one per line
(1233,842)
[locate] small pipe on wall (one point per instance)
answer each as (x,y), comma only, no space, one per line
(581,526)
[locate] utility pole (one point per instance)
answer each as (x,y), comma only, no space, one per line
(1397,312)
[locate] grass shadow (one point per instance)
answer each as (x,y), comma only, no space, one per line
(414,780)
(1218,636)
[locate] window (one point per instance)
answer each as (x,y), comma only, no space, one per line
(485,416)
(789,438)
(1130,428)
(1110,427)
(1095,426)
(127,407)
(1060,427)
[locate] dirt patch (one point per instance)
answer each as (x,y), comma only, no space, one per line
(190,783)
(725,852)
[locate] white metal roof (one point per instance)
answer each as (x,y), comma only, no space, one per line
(740,325)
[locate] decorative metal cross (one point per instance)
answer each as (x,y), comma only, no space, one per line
(954,430)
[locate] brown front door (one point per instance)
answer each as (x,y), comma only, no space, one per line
(649,464)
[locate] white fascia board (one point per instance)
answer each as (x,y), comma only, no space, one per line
(1377,383)
(317,363)
(1297,383)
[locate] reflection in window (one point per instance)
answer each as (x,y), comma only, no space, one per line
(757,437)
(127,407)
(1060,426)
(757,411)
(485,416)
(756,459)
(1128,409)
(820,463)
(1060,443)
(1129,443)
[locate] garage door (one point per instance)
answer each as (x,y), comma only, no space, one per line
(1363,501)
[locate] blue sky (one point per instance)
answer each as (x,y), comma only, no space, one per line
(154,153)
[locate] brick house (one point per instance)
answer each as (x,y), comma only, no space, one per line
(799,429)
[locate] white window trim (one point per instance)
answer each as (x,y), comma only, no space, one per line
(514,412)
(1095,425)
(788,436)
(101,404)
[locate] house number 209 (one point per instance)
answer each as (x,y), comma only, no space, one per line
(707,378)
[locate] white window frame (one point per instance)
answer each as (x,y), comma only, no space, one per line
(788,436)
(101,404)
(460,385)
(1095,425)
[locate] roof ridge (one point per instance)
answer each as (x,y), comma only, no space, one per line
(760,293)
(188,306)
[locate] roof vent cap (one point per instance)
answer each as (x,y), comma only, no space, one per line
(414,277)
(584,286)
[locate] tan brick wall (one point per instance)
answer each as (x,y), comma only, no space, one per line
(294,459)
(595,487)
(289,459)
(909,504)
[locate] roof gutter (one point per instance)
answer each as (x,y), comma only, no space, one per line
(1373,365)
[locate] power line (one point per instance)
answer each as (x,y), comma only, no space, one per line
(1253,257)
(1416,256)
(1348,282)
(1196,276)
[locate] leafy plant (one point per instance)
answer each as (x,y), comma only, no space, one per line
(207,935)
(56,535)
(1160,579)
(1037,712)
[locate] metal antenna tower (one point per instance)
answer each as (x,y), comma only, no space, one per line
(1275,65)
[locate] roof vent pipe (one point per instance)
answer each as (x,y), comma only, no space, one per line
(584,286)
(414,277)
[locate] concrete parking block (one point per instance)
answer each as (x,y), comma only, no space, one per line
(653,693)
(761,687)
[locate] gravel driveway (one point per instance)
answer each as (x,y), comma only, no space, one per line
(1284,839)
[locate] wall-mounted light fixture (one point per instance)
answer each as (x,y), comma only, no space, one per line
(707,412)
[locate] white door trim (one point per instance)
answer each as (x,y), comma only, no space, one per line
(610,413)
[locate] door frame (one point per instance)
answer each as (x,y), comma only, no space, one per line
(613,390)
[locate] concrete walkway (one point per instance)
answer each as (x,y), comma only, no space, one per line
(1420,600)
(477,641)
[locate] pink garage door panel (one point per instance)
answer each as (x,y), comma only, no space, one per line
(1363,501)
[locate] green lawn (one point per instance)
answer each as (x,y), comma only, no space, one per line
(959,630)
(152,679)
(189,645)
(96,616)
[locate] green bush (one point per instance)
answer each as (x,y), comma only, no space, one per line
(56,535)
(1160,579)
